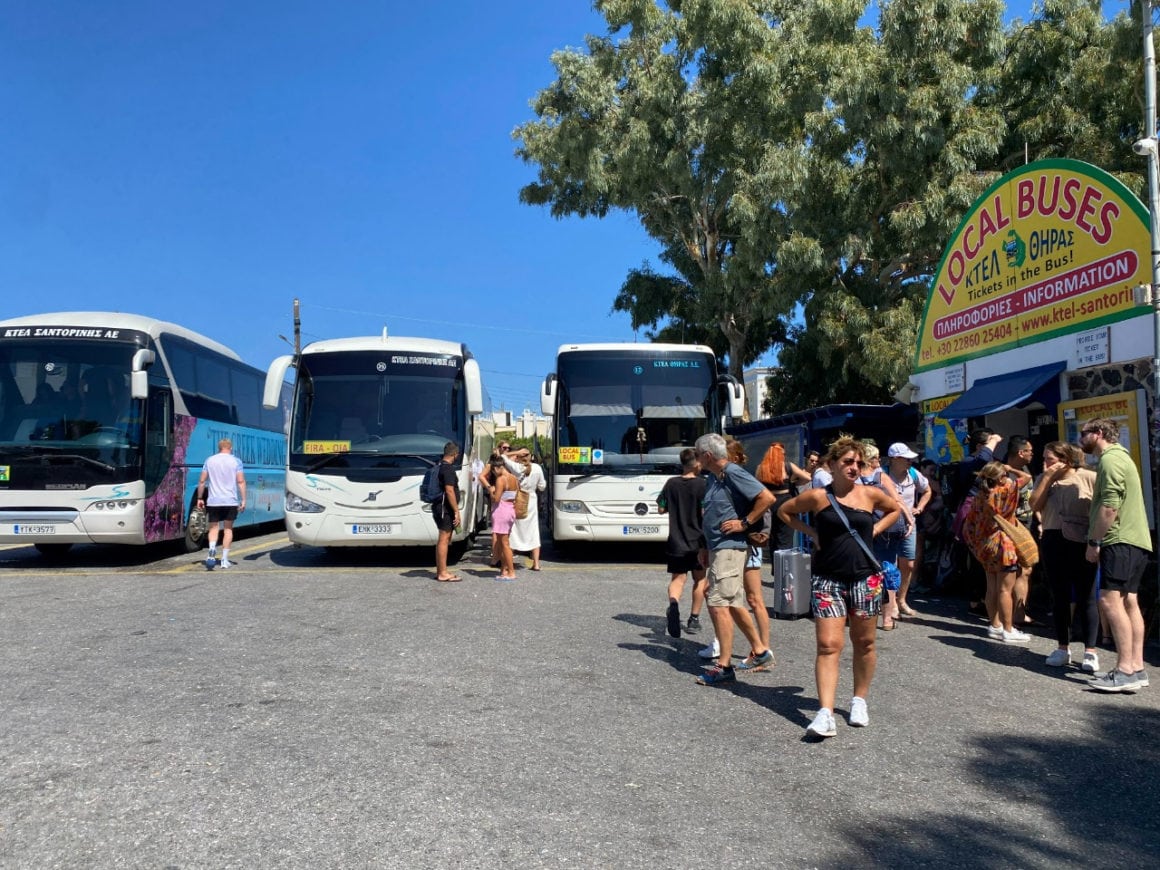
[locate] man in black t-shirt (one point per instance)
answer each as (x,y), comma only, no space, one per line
(681,500)
(445,510)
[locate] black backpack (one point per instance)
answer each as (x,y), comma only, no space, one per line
(430,491)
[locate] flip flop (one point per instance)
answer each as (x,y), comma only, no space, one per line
(537,569)
(452,579)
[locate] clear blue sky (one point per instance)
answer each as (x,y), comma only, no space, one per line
(207,162)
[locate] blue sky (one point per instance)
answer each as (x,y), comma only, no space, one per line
(207,162)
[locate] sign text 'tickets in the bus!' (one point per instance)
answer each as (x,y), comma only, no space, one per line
(1051,248)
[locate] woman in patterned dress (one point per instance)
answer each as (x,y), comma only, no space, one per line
(997,493)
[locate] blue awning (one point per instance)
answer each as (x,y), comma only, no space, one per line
(988,395)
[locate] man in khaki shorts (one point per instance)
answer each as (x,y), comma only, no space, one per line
(734,504)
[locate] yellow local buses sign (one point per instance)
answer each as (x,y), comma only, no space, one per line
(1054,247)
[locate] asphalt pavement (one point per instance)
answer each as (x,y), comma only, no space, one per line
(317,709)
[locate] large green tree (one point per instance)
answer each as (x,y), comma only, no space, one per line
(895,160)
(788,157)
(678,115)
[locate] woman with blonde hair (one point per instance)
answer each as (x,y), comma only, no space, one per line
(997,494)
(781,477)
(1063,498)
(873,474)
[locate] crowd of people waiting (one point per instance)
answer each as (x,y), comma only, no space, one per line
(871,528)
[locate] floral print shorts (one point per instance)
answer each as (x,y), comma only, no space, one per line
(835,599)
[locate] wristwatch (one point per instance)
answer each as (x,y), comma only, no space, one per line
(1092,543)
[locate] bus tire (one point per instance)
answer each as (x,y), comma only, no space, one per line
(196,528)
(52,551)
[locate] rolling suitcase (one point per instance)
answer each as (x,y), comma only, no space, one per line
(791,584)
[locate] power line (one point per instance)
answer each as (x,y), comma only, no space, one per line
(460,324)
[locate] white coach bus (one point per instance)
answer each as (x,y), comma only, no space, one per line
(621,415)
(106,420)
(370,416)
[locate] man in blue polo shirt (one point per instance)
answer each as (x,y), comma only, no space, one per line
(734,504)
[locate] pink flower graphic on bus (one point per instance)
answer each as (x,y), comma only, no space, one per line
(165,508)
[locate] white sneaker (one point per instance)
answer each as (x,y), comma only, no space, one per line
(859,718)
(712,651)
(823,725)
(1059,658)
(995,632)
(1091,663)
(226,563)
(1015,636)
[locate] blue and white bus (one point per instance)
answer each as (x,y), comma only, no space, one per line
(371,415)
(106,420)
(621,414)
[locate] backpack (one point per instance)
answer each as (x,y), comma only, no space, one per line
(961,517)
(430,491)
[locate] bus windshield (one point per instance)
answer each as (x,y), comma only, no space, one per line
(361,410)
(66,404)
(634,412)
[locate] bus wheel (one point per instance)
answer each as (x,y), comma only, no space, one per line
(195,531)
(52,551)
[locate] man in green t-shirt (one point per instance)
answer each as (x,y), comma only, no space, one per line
(1119,541)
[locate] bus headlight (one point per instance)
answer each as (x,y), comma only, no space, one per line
(571,507)
(296,504)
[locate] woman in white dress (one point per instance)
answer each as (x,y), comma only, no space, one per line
(525,536)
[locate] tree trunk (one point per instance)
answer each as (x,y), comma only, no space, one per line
(736,339)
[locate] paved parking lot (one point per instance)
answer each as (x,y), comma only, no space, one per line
(312,709)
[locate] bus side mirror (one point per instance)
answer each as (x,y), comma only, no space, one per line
(548,396)
(275,378)
(473,384)
(139,376)
(736,401)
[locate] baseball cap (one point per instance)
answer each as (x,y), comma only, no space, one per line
(900,449)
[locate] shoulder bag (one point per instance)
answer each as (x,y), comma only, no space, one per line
(522,499)
(1026,550)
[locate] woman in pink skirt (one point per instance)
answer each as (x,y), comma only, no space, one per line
(503,514)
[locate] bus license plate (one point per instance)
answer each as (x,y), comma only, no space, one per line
(34,530)
(642,530)
(373,528)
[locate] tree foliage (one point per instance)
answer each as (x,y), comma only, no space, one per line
(789,158)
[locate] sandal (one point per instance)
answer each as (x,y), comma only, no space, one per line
(888,623)
(907,610)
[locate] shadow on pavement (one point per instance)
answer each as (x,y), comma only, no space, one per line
(681,655)
(1099,790)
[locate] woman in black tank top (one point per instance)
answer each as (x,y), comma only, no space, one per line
(846,585)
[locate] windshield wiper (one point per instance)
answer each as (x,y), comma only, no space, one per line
(414,456)
(76,457)
(325,460)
